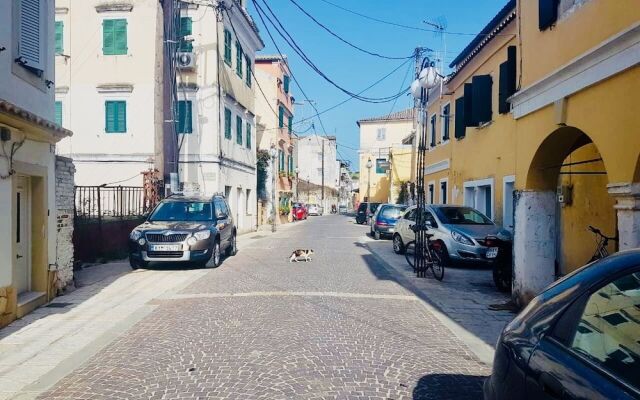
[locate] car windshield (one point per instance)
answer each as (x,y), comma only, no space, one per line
(392,212)
(461,216)
(182,211)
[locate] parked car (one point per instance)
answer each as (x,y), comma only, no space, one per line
(383,221)
(460,230)
(184,228)
(365,211)
(299,211)
(314,209)
(578,339)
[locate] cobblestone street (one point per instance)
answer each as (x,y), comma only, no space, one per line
(345,326)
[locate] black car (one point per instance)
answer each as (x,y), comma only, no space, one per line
(181,228)
(579,339)
(365,211)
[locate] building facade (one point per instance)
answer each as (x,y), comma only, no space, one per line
(318,170)
(378,136)
(524,132)
(275,128)
(30,272)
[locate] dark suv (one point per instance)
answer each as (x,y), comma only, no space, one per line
(184,228)
(365,211)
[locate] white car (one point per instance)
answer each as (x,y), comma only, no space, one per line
(314,209)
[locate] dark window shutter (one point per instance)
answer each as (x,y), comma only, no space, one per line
(481,109)
(547,13)
(468,105)
(507,84)
(459,125)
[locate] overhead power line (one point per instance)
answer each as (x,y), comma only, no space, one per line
(340,38)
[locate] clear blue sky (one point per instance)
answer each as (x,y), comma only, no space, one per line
(354,70)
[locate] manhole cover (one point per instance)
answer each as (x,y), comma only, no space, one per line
(58,305)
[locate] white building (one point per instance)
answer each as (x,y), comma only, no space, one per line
(28,137)
(317,168)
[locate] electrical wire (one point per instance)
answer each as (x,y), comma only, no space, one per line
(277,25)
(342,39)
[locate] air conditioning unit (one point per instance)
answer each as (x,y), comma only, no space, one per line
(186,60)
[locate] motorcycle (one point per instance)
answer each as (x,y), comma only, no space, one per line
(334,210)
(499,251)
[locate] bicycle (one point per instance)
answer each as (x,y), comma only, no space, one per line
(434,261)
(603,241)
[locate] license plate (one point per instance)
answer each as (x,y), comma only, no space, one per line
(492,252)
(165,247)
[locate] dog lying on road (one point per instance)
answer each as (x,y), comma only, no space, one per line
(299,255)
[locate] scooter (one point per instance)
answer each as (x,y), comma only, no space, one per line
(499,252)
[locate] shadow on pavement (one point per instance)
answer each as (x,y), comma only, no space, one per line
(449,386)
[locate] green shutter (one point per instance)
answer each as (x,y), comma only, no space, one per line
(249,77)
(290,124)
(239,57)
(59,113)
(248,135)
(280,117)
(115,116)
(239,130)
(186,29)
(227,47)
(227,123)
(185,119)
(280,160)
(114,37)
(286,83)
(59,37)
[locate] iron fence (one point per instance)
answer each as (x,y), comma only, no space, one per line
(110,202)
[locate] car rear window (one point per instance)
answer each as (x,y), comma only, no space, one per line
(391,212)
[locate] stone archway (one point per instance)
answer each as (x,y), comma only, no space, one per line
(549,236)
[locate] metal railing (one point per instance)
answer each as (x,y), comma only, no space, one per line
(110,202)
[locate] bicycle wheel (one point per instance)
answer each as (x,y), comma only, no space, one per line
(409,252)
(437,267)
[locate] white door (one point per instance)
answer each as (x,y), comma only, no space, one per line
(22,264)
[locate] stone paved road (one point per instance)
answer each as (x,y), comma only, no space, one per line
(259,327)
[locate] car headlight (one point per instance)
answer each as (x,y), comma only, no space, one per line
(202,235)
(135,235)
(191,241)
(460,238)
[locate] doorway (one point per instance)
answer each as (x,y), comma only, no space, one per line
(22,235)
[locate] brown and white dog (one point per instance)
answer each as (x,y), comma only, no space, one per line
(299,255)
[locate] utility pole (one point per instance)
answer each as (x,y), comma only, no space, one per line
(322,189)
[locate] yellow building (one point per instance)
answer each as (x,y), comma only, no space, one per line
(379,138)
(548,143)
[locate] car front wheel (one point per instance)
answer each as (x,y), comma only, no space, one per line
(215,256)
(398,246)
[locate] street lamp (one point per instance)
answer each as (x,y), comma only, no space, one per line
(369,165)
(273,153)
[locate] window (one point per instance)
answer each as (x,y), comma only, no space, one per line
(381,166)
(239,130)
(32,16)
(239,57)
(433,131)
(285,83)
(468,106)
(443,192)
(280,160)
(227,123)
(507,80)
(460,127)
(607,331)
(291,168)
(222,211)
(59,37)
(547,13)
(381,134)
(227,47)
(115,116)
(431,193)
(59,113)
(280,117)
(248,135)
(410,215)
(249,72)
(446,112)
(186,29)
(479,195)
(481,92)
(290,124)
(185,119)
(114,37)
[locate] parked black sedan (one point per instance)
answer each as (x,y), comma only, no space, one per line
(579,339)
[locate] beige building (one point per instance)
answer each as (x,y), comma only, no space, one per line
(378,137)
(318,170)
(28,136)
(274,113)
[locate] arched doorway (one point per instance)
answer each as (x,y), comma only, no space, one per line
(566,191)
